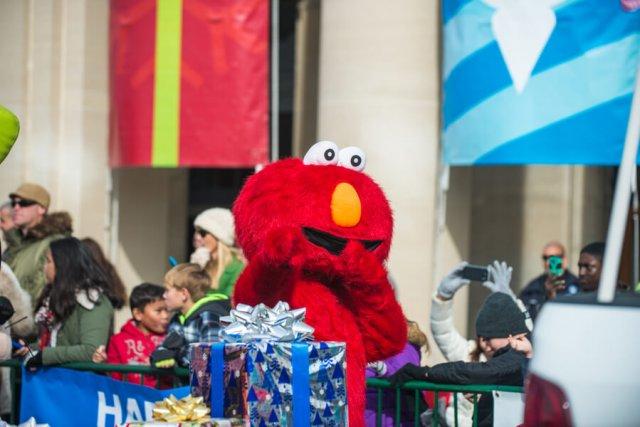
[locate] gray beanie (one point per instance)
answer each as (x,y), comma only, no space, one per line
(500,317)
(219,222)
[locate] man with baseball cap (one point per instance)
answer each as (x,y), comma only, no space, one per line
(34,230)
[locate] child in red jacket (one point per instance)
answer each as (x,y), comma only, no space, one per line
(140,335)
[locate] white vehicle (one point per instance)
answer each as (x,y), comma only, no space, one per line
(586,365)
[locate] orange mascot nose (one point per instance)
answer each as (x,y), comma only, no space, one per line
(346,209)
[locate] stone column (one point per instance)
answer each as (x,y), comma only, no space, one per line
(305,102)
(379,90)
(54,76)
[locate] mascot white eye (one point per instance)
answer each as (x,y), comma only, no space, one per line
(322,153)
(352,158)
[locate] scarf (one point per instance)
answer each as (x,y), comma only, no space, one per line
(45,319)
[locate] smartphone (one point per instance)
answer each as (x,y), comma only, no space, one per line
(475,273)
(555,266)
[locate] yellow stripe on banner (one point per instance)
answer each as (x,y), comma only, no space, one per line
(166,102)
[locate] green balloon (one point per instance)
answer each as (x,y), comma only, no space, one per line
(9,129)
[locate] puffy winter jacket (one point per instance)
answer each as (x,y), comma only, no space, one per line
(21,301)
(88,327)
(26,254)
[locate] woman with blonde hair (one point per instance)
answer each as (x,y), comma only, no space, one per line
(217,253)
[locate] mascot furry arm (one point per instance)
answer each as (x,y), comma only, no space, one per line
(316,234)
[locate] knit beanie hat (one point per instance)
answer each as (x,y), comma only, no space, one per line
(500,317)
(219,222)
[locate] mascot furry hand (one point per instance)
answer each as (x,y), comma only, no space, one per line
(316,234)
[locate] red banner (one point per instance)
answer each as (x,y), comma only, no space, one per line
(189,83)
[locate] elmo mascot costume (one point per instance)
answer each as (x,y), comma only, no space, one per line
(317,233)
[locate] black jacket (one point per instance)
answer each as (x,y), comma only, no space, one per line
(506,367)
(534,294)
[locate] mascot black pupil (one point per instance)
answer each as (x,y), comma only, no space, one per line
(355,161)
(329,154)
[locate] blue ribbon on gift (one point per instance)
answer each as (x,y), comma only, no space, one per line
(216,366)
(300,382)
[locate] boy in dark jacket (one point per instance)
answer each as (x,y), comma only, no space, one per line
(502,333)
(188,291)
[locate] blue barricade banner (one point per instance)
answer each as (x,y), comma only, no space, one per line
(537,82)
(67,398)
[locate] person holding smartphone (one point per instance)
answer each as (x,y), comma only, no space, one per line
(556,280)
(454,347)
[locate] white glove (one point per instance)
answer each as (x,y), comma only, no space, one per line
(200,256)
(379,367)
(452,282)
(499,278)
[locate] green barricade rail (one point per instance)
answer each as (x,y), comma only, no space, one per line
(180,375)
(418,387)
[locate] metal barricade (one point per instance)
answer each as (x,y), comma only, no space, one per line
(380,385)
(182,374)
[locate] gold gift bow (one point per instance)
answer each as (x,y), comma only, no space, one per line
(186,409)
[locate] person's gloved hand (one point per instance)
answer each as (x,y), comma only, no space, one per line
(165,355)
(500,278)
(163,358)
(379,367)
(409,372)
(452,282)
(33,361)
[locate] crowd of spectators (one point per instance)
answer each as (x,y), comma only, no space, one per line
(58,295)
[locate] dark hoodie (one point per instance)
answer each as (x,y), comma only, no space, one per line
(26,254)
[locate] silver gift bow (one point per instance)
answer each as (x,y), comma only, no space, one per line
(280,323)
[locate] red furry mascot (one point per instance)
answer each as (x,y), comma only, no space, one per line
(317,233)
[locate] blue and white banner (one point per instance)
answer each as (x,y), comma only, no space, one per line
(67,398)
(537,81)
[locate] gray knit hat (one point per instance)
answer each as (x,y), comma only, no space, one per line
(500,317)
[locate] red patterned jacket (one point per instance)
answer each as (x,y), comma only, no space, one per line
(131,346)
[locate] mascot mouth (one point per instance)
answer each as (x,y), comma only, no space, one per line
(334,244)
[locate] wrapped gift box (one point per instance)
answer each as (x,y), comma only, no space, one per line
(257,381)
(268,371)
(214,422)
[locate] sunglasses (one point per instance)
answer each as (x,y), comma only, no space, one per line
(202,232)
(546,257)
(23,203)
